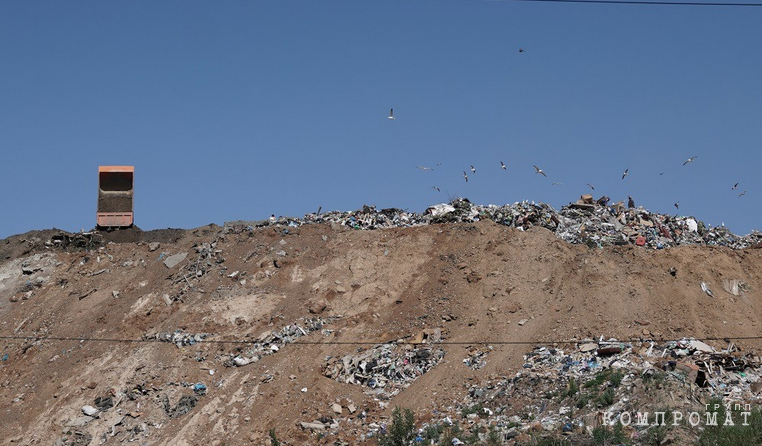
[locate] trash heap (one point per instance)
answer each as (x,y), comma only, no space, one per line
(594,223)
(179,338)
(476,357)
(385,369)
(565,392)
(271,342)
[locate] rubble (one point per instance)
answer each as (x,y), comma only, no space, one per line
(564,393)
(476,357)
(594,223)
(271,342)
(174,260)
(385,369)
(178,337)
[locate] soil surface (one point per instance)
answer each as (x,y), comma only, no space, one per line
(92,305)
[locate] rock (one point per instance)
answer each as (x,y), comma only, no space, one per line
(523,321)
(336,407)
(318,306)
(352,408)
(89,410)
(153,246)
(172,261)
(80,421)
(316,425)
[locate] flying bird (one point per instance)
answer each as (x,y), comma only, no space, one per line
(626,172)
(557,183)
(538,170)
(435,188)
(465,176)
(690,160)
(391,114)
(735,186)
(472,169)
(502,165)
(521,50)
(677,204)
(424,168)
(591,186)
(741,194)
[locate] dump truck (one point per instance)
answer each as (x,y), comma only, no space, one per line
(115,193)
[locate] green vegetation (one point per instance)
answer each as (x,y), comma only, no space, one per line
(273,439)
(402,430)
(730,435)
(478,409)
(605,435)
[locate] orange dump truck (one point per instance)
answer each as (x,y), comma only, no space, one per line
(115,192)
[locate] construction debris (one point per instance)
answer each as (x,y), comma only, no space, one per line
(385,369)
(271,342)
(594,223)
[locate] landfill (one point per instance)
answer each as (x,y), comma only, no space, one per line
(565,393)
(595,223)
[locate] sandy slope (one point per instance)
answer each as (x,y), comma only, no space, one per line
(475,281)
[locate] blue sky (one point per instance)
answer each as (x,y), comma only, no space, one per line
(240,109)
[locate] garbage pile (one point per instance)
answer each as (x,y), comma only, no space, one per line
(385,369)
(595,223)
(271,342)
(179,338)
(566,392)
(476,357)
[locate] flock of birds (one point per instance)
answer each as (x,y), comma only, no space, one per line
(539,171)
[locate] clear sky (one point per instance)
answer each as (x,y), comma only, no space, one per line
(241,109)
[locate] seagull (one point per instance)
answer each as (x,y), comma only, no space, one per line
(465,176)
(521,50)
(557,183)
(538,170)
(690,160)
(626,172)
(472,169)
(502,165)
(661,173)
(741,194)
(424,168)
(735,186)
(391,114)
(591,186)
(435,188)
(677,204)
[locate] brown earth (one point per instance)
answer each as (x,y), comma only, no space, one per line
(474,281)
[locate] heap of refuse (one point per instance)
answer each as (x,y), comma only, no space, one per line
(179,338)
(272,341)
(385,369)
(726,373)
(590,222)
(564,393)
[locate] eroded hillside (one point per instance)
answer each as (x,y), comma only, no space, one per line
(168,335)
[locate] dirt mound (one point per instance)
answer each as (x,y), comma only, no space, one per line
(317,331)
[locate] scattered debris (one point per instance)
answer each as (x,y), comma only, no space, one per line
(386,369)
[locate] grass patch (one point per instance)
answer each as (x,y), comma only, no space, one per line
(730,435)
